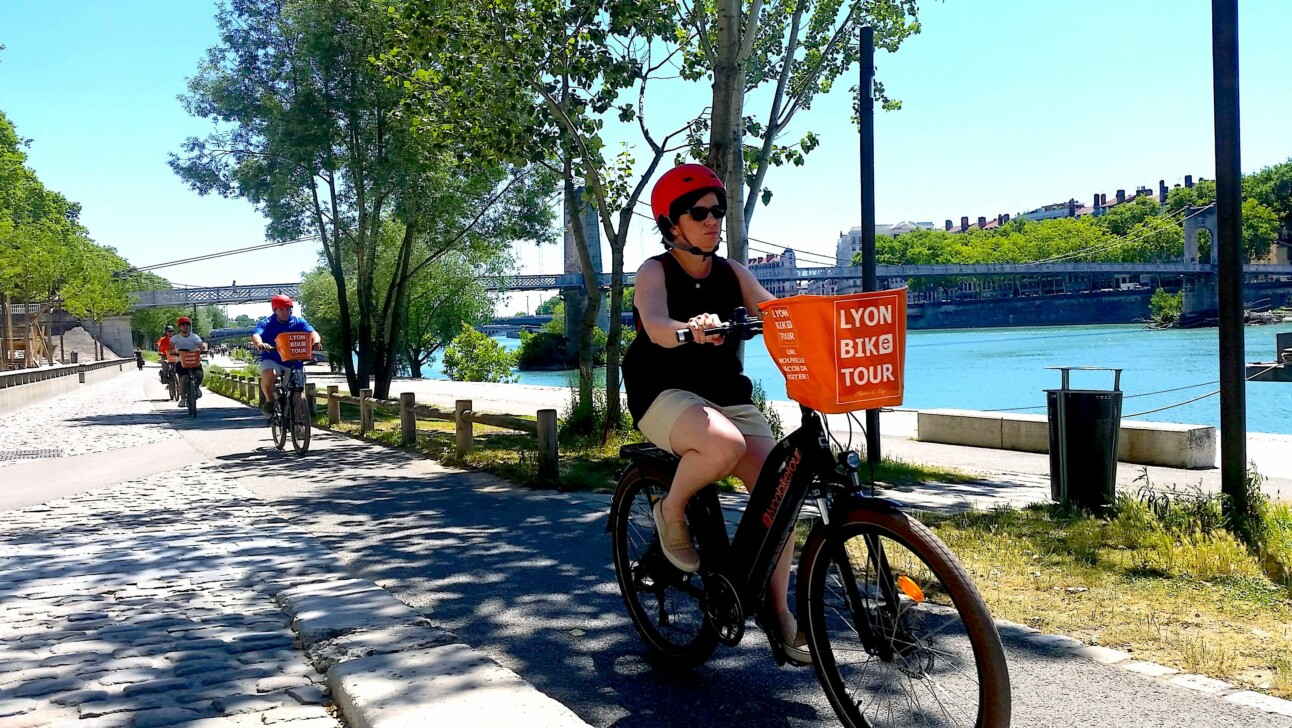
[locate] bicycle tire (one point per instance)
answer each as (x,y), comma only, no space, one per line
(686,638)
(172,388)
(299,423)
(954,595)
(277,422)
(192,395)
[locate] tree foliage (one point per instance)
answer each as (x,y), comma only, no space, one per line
(784,53)
(475,357)
(46,254)
(313,134)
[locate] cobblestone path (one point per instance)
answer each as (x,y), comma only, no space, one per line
(109,415)
(151,603)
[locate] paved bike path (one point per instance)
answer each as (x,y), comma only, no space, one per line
(525,576)
(141,585)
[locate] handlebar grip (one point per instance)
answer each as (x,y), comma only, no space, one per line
(684,335)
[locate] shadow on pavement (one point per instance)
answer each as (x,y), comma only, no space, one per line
(526,576)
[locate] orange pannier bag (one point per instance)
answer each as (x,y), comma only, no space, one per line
(839,353)
(190,359)
(295,346)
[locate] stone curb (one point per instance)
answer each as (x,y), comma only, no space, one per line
(1150,670)
(388,667)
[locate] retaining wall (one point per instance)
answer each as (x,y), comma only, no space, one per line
(28,386)
(1144,443)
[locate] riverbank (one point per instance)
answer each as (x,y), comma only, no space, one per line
(898,427)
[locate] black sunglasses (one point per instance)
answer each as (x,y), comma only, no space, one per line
(700,214)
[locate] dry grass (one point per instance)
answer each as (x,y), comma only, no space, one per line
(1193,601)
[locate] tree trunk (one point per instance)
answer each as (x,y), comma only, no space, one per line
(393,312)
(726,137)
(614,338)
(592,294)
(414,363)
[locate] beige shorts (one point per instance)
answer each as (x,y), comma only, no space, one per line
(657,423)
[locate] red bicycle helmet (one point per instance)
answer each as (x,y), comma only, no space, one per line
(184,320)
(281,301)
(679,181)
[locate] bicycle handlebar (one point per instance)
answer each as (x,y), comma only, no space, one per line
(741,327)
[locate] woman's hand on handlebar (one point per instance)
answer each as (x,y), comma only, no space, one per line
(698,324)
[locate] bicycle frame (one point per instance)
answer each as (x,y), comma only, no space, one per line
(783,485)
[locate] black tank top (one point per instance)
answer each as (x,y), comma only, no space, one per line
(712,372)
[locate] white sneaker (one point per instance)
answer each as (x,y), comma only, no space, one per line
(793,641)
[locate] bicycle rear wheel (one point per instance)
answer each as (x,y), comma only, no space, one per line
(665,605)
(300,424)
(172,388)
(899,634)
(278,421)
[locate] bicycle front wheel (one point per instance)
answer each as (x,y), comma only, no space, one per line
(301,425)
(278,422)
(899,634)
(665,604)
(192,395)
(172,388)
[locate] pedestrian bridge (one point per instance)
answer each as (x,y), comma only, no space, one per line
(261,293)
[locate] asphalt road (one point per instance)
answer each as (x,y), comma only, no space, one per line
(526,577)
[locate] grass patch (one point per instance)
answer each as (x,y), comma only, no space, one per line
(152,356)
(1159,578)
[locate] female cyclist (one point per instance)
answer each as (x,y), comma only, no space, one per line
(693,399)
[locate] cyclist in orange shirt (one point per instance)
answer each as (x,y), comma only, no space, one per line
(163,348)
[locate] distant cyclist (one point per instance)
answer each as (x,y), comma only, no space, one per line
(163,352)
(186,340)
(267,330)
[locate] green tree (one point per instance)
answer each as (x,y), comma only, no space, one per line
(447,297)
(46,254)
(1272,187)
(1166,308)
(549,306)
(474,357)
(559,67)
(784,53)
(315,136)
(243,321)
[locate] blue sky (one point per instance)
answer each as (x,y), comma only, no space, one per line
(1008,105)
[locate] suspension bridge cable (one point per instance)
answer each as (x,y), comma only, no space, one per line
(775,248)
(1129,396)
(235,251)
(1195,399)
(1166,221)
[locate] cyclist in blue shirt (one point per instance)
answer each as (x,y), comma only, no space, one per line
(271,365)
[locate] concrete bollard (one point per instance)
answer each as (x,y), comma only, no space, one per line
(548,469)
(80,377)
(333,404)
(466,436)
(365,411)
(407,418)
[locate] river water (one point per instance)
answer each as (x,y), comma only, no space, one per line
(993,369)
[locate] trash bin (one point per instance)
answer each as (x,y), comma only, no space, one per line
(1084,425)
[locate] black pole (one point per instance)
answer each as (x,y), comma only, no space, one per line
(866,115)
(1229,274)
